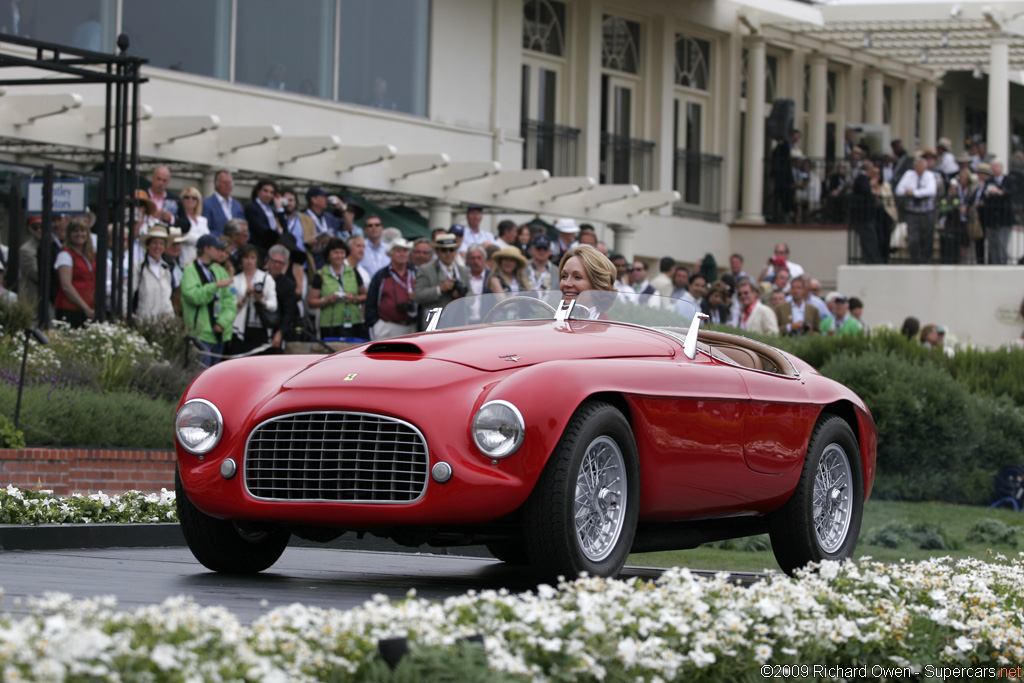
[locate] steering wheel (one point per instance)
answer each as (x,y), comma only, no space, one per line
(515,302)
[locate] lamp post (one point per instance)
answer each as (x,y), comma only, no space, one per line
(41,338)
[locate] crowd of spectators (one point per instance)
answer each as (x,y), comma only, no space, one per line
(929,206)
(248,279)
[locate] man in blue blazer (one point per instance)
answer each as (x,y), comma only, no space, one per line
(221,207)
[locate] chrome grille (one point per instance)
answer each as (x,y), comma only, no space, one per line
(336,456)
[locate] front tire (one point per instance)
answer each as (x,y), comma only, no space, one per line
(582,515)
(227,547)
(821,521)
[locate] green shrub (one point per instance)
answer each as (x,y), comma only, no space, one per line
(928,428)
(993,532)
(900,534)
(10,436)
(63,416)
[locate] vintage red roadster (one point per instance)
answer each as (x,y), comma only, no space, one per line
(560,435)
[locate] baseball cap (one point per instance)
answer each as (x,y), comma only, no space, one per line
(208,241)
(457,230)
(315,191)
(542,242)
(474,207)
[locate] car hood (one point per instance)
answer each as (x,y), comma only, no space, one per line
(505,346)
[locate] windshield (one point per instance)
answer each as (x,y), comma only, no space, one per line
(650,310)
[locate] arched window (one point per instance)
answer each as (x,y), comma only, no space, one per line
(620,45)
(544,26)
(693,62)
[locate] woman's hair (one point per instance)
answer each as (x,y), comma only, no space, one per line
(911,326)
(335,243)
(519,273)
(194,192)
(83,223)
(925,331)
(246,250)
(600,271)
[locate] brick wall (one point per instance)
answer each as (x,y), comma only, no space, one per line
(84,470)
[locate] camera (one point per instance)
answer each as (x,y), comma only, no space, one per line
(460,288)
(284,202)
(403,306)
(333,201)
(258,288)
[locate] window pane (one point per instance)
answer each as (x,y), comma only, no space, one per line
(88,24)
(620,44)
(544,26)
(385,53)
(269,33)
(188,35)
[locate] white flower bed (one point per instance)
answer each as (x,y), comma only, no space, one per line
(937,619)
(28,506)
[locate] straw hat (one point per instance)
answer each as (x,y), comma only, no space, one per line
(512,252)
(141,198)
(157,231)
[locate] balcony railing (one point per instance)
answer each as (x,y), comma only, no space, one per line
(550,146)
(811,190)
(627,161)
(697,177)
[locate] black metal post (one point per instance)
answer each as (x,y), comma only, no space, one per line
(46,246)
(41,338)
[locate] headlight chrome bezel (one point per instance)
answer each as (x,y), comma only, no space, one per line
(509,415)
(207,444)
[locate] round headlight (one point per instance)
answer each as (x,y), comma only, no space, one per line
(198,426)
(498,429)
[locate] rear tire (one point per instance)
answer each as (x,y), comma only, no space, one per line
(821,521)
(227,547)
(582,514)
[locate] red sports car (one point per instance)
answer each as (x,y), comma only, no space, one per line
(561,436)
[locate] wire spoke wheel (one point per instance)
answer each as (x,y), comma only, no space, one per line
(832,507)
(600,499)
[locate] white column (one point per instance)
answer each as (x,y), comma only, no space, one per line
(875,98)
(623,240)
(753,140)
(817,106)
(663,107)
(928,123)
(587,104)
(998,136)
(855,94)
(440,215)
(904,119)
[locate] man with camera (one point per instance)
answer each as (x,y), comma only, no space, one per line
(390,310)
(442,280)
(798,316)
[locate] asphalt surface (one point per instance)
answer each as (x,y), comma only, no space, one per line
(87,563)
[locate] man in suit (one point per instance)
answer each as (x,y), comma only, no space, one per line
(998,212)
(264,215)
(441,281)
(798,316)
(169,208)
(221,206)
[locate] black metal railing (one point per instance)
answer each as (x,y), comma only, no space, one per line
(627,161)
(697,178)
(550,146)
(808,190)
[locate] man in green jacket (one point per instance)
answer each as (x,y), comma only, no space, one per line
(208,305)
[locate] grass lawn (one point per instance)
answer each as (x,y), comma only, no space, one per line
(930,525)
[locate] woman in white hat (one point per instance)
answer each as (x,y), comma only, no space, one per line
(509,274)
(153,278)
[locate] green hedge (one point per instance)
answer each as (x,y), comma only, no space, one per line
(66,416)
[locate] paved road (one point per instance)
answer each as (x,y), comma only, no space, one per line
(324,577)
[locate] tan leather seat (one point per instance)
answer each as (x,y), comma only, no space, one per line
(744,357)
